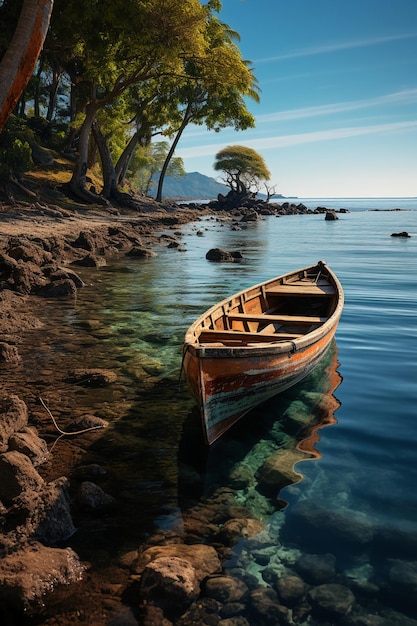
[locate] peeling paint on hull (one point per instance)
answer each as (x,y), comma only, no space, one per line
(228,382)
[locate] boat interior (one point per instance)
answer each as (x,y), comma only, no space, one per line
(279,310)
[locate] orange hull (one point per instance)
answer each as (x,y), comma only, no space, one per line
(260,342)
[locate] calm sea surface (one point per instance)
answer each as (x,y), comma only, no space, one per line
(356,497)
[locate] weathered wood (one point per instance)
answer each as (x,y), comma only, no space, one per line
(209,335)
(300,290)
(284,319)
(231,372)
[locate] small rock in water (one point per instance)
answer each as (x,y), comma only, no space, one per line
(402,234)
(91,497)
(92,377)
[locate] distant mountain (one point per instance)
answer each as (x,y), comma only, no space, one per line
(192,186)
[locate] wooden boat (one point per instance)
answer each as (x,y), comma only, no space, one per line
(258,342)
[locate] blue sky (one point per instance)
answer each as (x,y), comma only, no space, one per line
(338,111)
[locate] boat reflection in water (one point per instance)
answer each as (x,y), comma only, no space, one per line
(256,458)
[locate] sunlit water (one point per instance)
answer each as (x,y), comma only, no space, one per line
(363,468)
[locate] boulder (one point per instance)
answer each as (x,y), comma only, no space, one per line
(47,513)
(169,583)
(90,260)
(8,353)
(343,529)
(226,589)
(236,528)
(27,278)
(141,252)
(34,572)
(92,498)
(7,265)
(27,442)
(88,241)
(291,590)
(316,569)
(204,559)
(63,288)
(402,578)
(402,234)
(17,475)
(331,601)
(13,417)
(218,255)
(28,251)
(85,423)
(278,471)
(91,377)
(61,273)
(266,606)
(330,215)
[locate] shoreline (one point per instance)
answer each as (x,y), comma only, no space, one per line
(37,511)
(41,249)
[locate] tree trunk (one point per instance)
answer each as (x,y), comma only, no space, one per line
(185,122)
(107,167)
(78,182)
(37,91)
(20,58)
(125,158)
(53,92)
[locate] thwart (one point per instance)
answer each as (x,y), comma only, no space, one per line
(259,342)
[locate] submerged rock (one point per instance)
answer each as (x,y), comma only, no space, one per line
(278,471)
(9,353)
(266,606)
(91,497)
(291,590)
(316,569)
(331,601)
(203,558)
(169,583)
(92,377)
(226,589)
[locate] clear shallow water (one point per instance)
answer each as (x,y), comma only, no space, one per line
(363,468)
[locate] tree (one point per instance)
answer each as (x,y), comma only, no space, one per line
(153,161)
(243,168)
(205,96)
(19,60)
(125,43)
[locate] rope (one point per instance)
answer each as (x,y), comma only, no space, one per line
(63,432)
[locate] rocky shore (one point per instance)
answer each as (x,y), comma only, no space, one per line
(176,577)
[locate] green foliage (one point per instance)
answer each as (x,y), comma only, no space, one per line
(140,66)
(15,151)
(148,164)
(243,167)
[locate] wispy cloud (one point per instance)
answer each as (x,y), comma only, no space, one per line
(407,96)
(334,47)
(284,141)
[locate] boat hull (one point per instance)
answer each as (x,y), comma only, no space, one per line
(228,388)
(228,382)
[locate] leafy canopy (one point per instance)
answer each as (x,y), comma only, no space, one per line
(243,167)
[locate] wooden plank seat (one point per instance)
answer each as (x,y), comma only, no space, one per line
(300,289)
(210,335)
(283,319)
